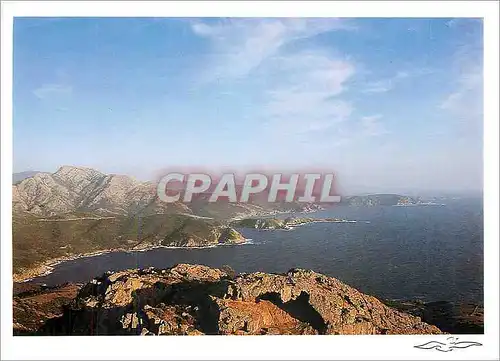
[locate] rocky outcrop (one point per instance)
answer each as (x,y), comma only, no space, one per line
(194,299)
(328,305)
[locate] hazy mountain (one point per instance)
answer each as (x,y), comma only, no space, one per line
(17,177)
(78,189)
(72,190)
(378,200)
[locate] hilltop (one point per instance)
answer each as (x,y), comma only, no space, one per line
(197,300)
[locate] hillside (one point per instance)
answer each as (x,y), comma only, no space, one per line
(36,241)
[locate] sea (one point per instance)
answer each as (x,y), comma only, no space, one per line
(427,252)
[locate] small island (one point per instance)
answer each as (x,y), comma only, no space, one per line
(287,223)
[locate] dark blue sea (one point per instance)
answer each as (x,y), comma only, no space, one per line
(419,252)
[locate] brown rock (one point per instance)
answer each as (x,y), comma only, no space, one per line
(328,305)
(256,318)
(195,299)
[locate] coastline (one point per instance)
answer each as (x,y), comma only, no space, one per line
(262,213)
(47,267)
(291,225)
(323,221)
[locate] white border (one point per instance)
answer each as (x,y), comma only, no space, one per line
(273,347)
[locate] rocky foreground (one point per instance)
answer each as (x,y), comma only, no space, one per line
(197,300)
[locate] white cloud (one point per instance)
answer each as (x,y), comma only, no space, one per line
(241,45)
(50,90)
(385,85)
(466,102)
(358,131)
(372,127)
(459,22)
(306,96)
(300,88)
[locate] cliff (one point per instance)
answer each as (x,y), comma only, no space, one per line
(196,300)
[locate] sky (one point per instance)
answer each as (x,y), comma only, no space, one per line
(388,105)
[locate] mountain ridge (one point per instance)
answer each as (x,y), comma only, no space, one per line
(74,189)
(80,189)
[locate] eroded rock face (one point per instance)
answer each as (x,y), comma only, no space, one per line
(328,305)
(260,317)
(194,299)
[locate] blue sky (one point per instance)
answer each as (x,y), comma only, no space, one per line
(389,104)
